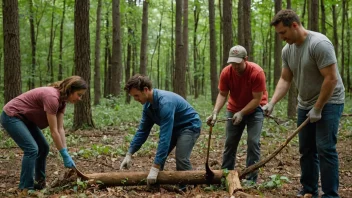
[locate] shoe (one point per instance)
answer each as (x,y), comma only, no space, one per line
(304,194)
(39,185)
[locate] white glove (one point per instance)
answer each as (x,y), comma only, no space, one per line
(237,118)
(268,108)
(153,174)
(314,114)
(126,162)
(212,118)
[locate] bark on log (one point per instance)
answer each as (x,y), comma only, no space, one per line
(267,159)
(233,182)
(164,177)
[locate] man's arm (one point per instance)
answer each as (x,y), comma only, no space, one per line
(220,100)
(283,85)
(254,103)
(328,86)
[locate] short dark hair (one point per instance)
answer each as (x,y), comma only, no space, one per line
(138,81)
(287,17)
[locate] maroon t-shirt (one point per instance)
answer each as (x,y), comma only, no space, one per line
(34,104)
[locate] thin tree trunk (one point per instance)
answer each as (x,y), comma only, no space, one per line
(220,36)
(60,74)
(196,12)
(158,45)
(313,15)
(172,42)
(348,50)
(107,73)
(116,64)
(82,112)
(227,30)
(240,25)
(335,37)
(183,90)
(144,41)
(49,59)
(278,48)
(213,53)
(342,43)
(12,58)
(323,17)
(31,84)
(97,86)
(247,28)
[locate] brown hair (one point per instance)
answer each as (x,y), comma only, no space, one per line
(287,17)
(69,86)
(138,81)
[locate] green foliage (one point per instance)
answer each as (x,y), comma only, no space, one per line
(276,181)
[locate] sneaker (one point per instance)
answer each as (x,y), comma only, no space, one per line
(304,194)
(39,185)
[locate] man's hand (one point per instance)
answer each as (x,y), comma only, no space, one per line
(126,162)
(68,161)
(268,108)
(314,114)
(153,174)
(212,118)
(237,118)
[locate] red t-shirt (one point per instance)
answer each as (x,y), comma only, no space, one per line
(241,87)
(34,104)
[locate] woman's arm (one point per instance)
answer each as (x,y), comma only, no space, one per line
(60,127)
(53,125)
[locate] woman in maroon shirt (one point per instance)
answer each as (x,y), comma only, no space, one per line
(24,117)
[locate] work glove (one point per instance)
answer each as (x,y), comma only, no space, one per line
(126,162)
(268,108)
(237,118)
(153,174)
(212,118)
(68,162)
(314,114)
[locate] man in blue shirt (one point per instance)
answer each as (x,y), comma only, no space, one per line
(179,125)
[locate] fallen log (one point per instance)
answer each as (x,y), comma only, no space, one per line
(164,177)
(233,183)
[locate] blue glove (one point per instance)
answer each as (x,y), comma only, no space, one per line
(68,162)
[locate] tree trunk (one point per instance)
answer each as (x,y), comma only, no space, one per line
(60,74)
(31,83)
(240,23)
(97,87)
(144,41)
(12,57)
(313,15)
(213,53)
(278,48)
(227,33)
(183,90)
(348,50)
(323,17)
(158,46)
(247,28)
(220,35)
(335,37)
(342,66)
(116,64)
(172,42)
(82,112)
(107,73)
(49,59)
(180,70)
(196,12)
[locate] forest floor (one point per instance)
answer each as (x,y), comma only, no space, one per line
(278,178)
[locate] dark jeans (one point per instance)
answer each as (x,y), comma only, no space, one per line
(184,141)
(317,146)
(254,123)
(34,145)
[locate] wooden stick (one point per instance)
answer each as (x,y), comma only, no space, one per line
(267,159)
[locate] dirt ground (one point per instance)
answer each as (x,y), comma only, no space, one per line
(285,164)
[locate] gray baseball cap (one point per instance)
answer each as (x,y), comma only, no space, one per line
(237,54)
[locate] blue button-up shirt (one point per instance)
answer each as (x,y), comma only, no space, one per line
(172,113)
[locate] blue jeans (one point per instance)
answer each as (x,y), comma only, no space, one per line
(184,141)
(34,145)
(317,146)
(254,122)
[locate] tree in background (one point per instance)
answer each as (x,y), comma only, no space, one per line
(227,30)
(12,59)
(82,112)
(97,86)
(212,51)
(116,58)
(144,41)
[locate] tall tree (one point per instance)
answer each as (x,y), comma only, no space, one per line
(335,37)
(180,70)
(185,46)
(292,93)
(144,41)
(323,17)
(240,23)
(116,64)
(82,112)
(60,75)
(278,48)
(107,58)
(33,46)
(348,49)
(344,8)
(212,51)
(130,42)
(196,12)
(12,58)
(97,86)
(49,59)
(172,42)
(313,15)
(247,28)
(227,30)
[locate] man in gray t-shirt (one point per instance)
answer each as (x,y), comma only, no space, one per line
(309,60)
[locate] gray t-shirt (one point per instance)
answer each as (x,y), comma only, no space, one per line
(305,61)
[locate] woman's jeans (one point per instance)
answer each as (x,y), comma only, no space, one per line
(34,145)
(317,146)
(254,123)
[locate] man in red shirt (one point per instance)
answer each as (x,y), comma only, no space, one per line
(244,82)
